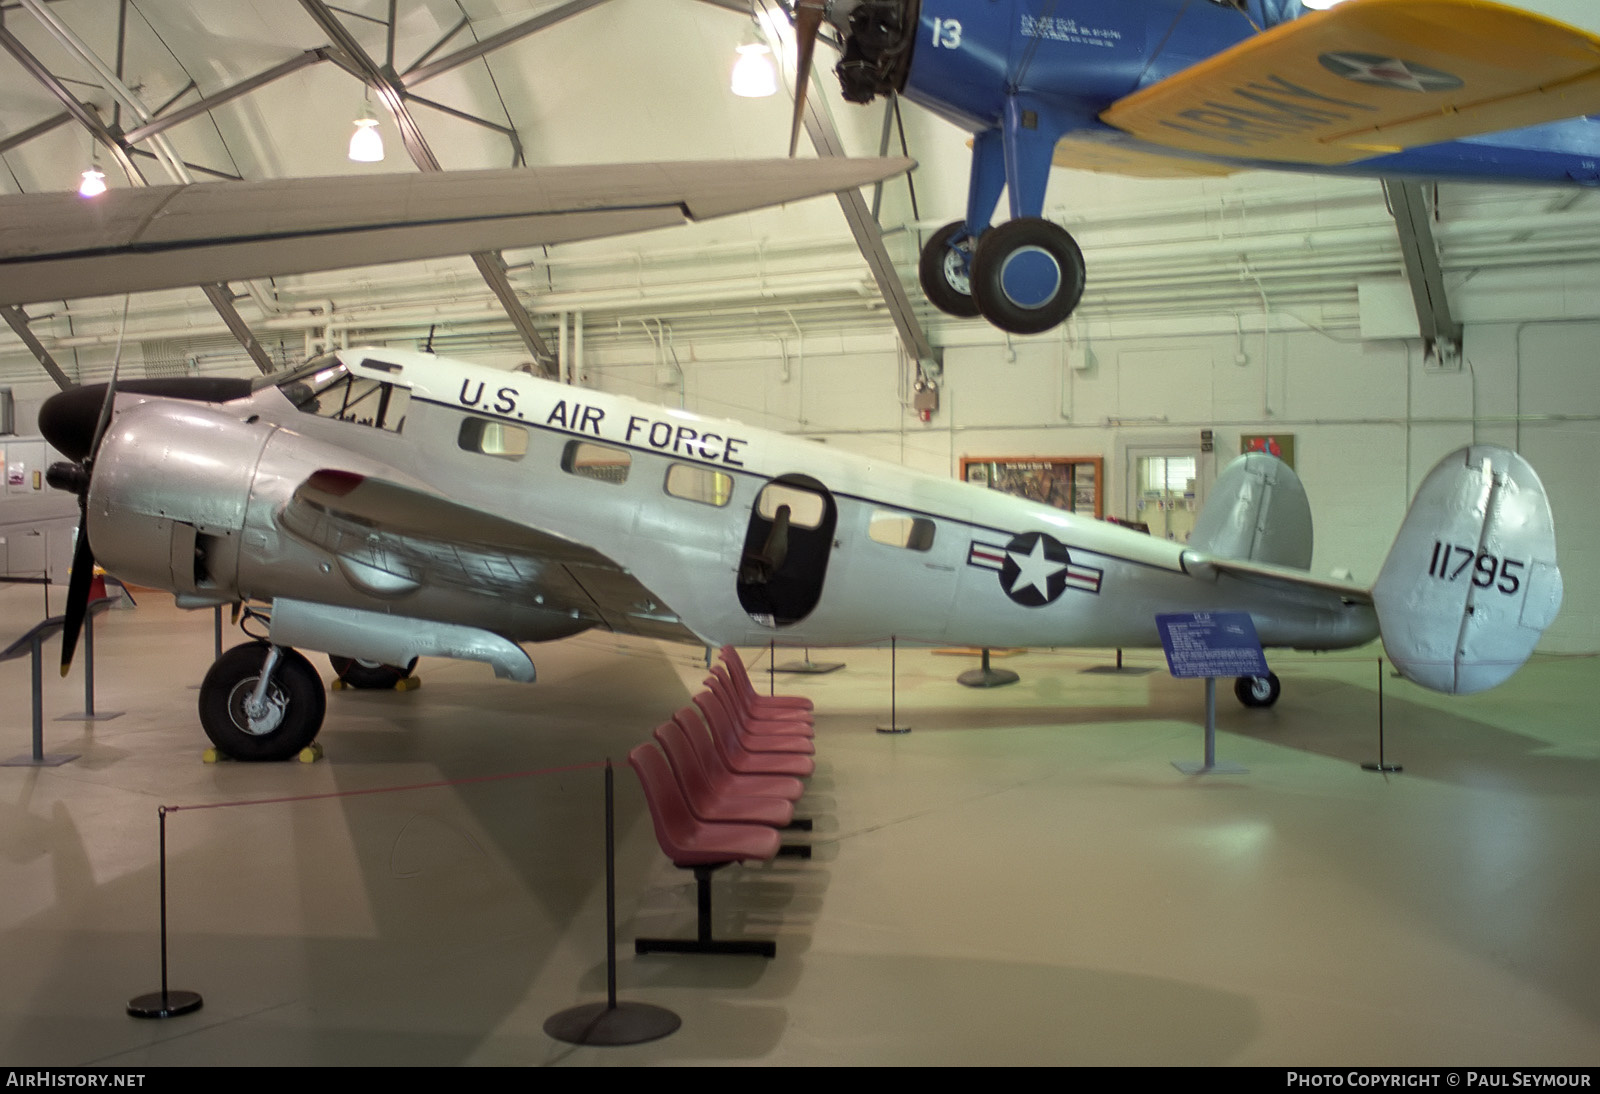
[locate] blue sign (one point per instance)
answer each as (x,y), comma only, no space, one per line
(1211,644)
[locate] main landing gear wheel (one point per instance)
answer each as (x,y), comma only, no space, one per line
(290,716)
(369,674)
(1027,275)
(1258,691)
(945,271)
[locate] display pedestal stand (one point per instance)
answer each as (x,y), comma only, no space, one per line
(1379,765)
(88,714)
(987,677)
(1211,766)
(611,1022)
(808,667)
(894,725)
(32,644)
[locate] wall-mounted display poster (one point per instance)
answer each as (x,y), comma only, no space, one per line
(1066,482)
(1280,445)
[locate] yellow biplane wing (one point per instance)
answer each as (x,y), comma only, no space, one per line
(1371,77)
(1086,154)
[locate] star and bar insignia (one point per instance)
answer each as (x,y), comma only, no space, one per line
(1373,68)
(1034,568)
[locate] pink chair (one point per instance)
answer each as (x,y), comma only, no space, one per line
(691,725)
(768,738)
(733,751)
(708,801)
(741,677)
(695,845)
(751,719)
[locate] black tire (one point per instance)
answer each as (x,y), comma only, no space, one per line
(1050,252)
(296,699)
(944,281)
(1258,691)
(368,674)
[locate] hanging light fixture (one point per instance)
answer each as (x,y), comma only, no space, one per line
(754,75)
(366,143)
(93,184)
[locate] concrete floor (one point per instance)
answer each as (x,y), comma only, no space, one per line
(1023,878)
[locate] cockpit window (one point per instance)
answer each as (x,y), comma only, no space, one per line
(333,392)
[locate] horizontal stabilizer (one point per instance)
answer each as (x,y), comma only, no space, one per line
(1256,512)
(1471,581)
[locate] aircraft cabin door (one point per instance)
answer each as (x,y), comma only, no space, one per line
(786,550)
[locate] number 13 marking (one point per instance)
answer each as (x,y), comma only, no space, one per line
(946,34)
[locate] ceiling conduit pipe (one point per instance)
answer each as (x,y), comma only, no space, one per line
(575,373)
(563,362)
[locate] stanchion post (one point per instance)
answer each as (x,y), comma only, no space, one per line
(164,1003)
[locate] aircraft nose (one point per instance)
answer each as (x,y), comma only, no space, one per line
(67,419)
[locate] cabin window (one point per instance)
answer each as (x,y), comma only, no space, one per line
(492,438)
(900,530)
(701,484)
(806,508)
(596,461)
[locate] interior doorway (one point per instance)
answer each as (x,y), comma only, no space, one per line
(1164,490)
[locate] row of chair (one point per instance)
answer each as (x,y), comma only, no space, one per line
(721,779)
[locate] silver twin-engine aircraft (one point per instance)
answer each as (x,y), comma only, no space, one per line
(380,505)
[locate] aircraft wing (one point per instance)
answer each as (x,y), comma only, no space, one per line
(374,526)
(1371,77)
(61,246)
(1210,567)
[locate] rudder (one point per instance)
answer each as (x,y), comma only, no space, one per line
(1471,581)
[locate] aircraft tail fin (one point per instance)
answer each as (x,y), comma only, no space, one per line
(1471,581)
(1256,512)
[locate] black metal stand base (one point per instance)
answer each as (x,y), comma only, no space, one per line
(164,1004)
(809,667)
(753,948)
(1378,765)
(608,1024)
(893,729)
(987,678)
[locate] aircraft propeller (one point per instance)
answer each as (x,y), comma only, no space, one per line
(808,16)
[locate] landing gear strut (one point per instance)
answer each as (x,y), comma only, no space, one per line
(261,702)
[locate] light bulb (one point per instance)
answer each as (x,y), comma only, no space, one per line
(93,184)
(366,143)
(753,74)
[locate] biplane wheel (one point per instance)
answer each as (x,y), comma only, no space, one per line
(1027,275)
(1258,691)
(369,674)
(296,704)
(945,271)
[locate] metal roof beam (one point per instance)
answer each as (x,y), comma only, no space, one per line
(18,321)
(423,73)
(243,87)
(1441,331)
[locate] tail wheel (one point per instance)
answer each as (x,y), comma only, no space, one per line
(369,674)
(290,717)
(945,271)
(1027,275)
(1258,691)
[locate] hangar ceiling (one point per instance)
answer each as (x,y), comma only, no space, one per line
(495,82)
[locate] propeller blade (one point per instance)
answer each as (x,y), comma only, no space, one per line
(77,596)
(807,23)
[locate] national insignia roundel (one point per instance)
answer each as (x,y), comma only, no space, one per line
(1035,569)
(1374,68)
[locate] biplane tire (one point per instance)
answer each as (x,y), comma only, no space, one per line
(1027,275)
(945,273)
(295,699)
(1258,691)
(369,674)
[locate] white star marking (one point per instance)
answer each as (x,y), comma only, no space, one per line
(1393,72)
(1034,569)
